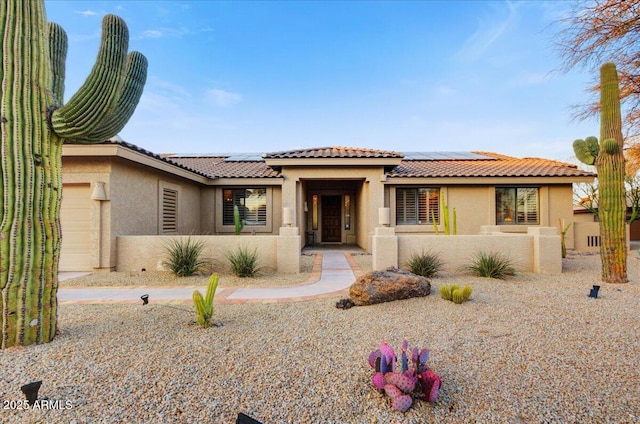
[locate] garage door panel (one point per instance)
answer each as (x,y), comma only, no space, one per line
(75,220)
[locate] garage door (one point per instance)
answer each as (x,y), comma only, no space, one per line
(74,216)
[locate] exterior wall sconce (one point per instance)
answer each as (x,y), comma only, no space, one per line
(287,217)
(99,192)
(384,216)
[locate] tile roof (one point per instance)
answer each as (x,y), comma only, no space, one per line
(499,166)
(484,164)
(333,152)
(219,167)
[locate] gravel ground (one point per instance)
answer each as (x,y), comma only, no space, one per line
(264,277)
(530,349)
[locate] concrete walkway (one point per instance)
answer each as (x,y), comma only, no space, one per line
(337,272)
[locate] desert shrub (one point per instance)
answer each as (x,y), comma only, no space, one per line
(243,263)
(491,265)
(184,256)
(426,264)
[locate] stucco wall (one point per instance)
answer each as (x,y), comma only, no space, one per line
(148,252)
(537,251)
(587,236)
(135,195)
(458,251)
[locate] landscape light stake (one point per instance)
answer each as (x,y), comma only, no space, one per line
(245,419)
(31,391)
(145,299)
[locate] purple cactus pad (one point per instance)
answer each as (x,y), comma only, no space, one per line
(402,403)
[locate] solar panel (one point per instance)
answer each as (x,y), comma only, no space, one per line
(445,156)
(245,157)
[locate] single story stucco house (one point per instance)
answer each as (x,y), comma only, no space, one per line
(332,194)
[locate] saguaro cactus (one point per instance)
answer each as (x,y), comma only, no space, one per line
(609,162)
(35,123)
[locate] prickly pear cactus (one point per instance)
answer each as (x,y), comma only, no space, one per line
(412,381)
(35,123)
(609,163)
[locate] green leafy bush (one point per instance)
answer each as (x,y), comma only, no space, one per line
(426,264)
(491,265)
(243,263)
(184,256)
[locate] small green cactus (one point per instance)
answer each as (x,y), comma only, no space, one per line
(237,222)
(466,292)
(445,293)
(455,222)
(445,219)
(457,297)
(455,294)
(204,305)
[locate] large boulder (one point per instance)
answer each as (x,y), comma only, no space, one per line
(385,286)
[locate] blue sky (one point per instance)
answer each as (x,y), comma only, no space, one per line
(406,76)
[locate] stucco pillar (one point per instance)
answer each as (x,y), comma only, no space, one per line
(547,251)
(290,196)
(288,246)
(384,248)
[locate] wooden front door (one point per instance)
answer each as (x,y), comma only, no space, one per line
(331,225)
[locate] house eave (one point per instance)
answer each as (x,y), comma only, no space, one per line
(116,150)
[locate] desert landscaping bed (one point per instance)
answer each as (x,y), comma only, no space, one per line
(530,349)
(264,277)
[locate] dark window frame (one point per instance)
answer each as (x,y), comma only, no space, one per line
(239,196)
(513,205)
(418,205)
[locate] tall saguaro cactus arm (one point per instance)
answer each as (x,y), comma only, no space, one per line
(135,77)
(34,124)
(57,57)
(111,92)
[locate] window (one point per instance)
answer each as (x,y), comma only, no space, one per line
(251,203)
(517,206)
(169,211)
(417,205)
